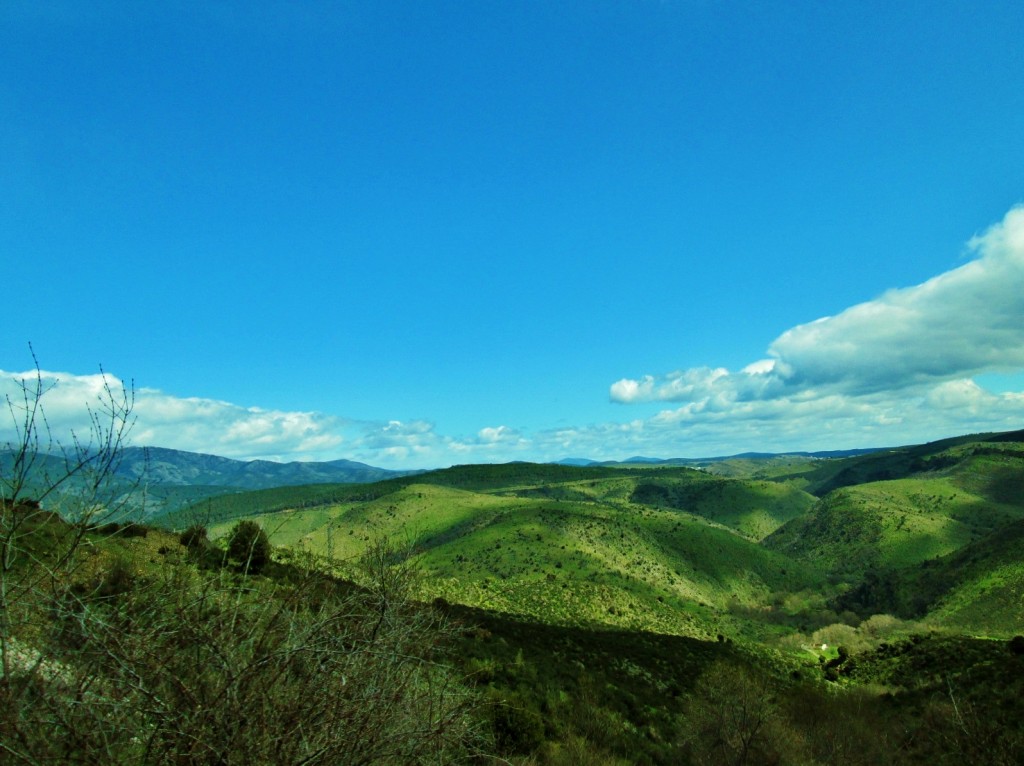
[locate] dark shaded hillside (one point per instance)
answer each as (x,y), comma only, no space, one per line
(216,509)
(964,696)
(621,692)
(754,509)
(510,476)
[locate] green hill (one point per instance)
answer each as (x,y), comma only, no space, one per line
(753,508)
(581,550)
(957,495)
(978,588)
(884,465)
(673,548)
(502,478)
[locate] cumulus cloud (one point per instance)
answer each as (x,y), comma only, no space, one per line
(825,422)
(191,423)
(955,326)
(222,428)
(396,442)
(499,435)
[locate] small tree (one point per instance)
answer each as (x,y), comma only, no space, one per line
(249,545)
(733,718)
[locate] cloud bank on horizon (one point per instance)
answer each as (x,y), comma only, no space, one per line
(898,369)
(222,428)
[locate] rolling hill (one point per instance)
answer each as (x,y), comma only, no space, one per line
(559,543)
(673,548)
(953,493)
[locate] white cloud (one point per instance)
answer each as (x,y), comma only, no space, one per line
(398,443)
(957,325)
(230,430)
(894,370)
(498,435)
(195,424)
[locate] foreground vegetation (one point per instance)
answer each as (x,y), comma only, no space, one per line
(167,648)
(855,611)
(151,652)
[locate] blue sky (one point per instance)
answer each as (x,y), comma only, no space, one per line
(418,234)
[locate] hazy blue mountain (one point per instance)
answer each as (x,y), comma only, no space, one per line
(161,466)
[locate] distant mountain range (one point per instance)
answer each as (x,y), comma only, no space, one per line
(161,466)
(697,461)
(171,479)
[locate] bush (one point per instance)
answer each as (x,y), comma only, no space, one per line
(134,530)
(518,728)
(194,537)
(129,529)
(117,580)
(249,546)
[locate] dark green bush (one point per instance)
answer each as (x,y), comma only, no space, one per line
(194,537)
(129,529)
(249,546)
(517,727)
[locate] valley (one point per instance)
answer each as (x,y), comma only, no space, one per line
(750,551)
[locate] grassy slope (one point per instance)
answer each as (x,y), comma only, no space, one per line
(943,544)
(671,548)
(576,551)
(828,475)
(903,522)
(979,589)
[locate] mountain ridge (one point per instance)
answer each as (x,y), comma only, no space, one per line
(165,466)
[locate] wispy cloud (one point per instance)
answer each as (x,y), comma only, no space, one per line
(230,430)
